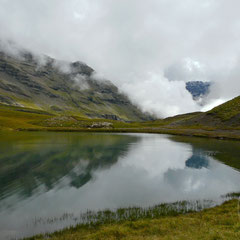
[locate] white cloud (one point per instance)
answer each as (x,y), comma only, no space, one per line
(133,42)
(156,94)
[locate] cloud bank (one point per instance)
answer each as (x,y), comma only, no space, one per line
(149,49)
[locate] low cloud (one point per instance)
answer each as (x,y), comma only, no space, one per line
(81,82)
(149,49)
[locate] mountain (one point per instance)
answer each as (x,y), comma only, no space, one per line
(198,88)
(226,115)
(62,88)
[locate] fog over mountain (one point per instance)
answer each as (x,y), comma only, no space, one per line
(149,49)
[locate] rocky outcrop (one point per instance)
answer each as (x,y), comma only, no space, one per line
(110,116)
(101,125)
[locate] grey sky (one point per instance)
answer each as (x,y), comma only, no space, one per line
(135,42)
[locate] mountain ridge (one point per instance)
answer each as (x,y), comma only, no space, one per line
(62,88)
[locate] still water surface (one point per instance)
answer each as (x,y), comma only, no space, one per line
(48,179)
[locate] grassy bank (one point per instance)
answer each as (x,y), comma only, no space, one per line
(216,134)
(221,222)
(26,119)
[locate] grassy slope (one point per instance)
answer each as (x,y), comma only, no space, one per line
(225,116)
(170,120)
(228,110)
(18,118)
(15,118)
(11,118)
(222,222)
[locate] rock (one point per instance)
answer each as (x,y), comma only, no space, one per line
(110,116)
(198,88)
(101,125)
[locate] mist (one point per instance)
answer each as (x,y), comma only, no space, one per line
(149,49)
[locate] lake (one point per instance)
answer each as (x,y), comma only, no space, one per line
(48,179)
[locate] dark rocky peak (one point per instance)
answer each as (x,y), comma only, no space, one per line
(81,68)
(198,88)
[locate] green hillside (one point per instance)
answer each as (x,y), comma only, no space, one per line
(21,118)
(228,111)
(62,89)
(224,116)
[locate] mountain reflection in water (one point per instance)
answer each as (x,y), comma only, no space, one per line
(30,160)
(198,160)
(48,175)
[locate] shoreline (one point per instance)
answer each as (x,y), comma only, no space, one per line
(219,134)
(222,219)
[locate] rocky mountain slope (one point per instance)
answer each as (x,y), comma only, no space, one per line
(63,89)
(226,115)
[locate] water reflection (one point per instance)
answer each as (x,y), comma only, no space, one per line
(45,175)
(227,152)
(198,160)
(30,160)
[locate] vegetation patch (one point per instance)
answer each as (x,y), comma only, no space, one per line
(227,110)
(221,222)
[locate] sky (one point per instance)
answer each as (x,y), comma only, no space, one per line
(149,49)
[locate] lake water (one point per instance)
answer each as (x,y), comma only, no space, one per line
(48,179)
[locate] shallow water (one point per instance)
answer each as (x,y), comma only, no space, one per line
(48,179)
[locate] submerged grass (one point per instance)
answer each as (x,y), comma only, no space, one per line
(92,218)
(164,221)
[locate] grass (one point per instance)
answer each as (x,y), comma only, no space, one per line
(227,110)
(221,222)
(13,117)
(28,119)
(170,120)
